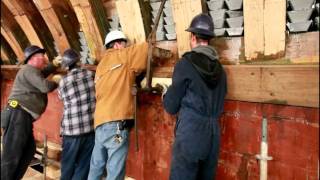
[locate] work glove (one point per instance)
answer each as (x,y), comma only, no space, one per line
(164,88)
(56,78)
(57,61)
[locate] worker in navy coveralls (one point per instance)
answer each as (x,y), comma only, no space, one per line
(197,95)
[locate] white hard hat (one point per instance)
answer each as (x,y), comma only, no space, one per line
(114,35)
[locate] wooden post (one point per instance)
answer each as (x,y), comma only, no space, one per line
(131,20)
(53,22)
(89,26)
(264,28)
(253,28)
(183,12)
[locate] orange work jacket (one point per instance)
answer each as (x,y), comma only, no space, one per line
(115,75)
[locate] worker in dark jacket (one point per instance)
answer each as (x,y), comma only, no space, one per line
(197,94)
(27,101)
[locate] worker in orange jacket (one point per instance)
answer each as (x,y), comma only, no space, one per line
(114,114)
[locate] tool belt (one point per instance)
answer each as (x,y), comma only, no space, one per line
(13,103)
(126,124)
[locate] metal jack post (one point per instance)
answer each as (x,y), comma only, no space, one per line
(134,93)
(44,157)
(263,156)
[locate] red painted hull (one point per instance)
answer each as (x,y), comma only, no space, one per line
(293,138)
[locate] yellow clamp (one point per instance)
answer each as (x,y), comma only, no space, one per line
(13,103)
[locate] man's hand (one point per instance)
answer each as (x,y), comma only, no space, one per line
(56,78)
(57,61)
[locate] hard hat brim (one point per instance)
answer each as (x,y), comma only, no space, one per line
(200,31)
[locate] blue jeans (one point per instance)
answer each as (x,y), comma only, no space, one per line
(109,154)
(76,155)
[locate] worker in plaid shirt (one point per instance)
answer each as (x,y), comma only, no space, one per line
(77,92)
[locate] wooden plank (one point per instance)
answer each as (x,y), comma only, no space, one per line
(131,20)
(53,22)
(253,28)
(279,84)
(183,12)
(89,27)
(274,28)
(296,85)
(13,43)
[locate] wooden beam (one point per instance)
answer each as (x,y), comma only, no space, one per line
(253,28)
(296,85)
(279,84)
(183,12)
(7,50)
(131,20)
(24,22)
(13,43)
(264,29)
(4,56)
(53,22)
(274,28)
(88,24)
(28,8)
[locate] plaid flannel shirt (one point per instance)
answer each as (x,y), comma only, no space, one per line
(77,92)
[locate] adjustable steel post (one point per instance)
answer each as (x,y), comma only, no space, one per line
(263,156)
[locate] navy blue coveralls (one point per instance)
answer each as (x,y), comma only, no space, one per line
(197,94)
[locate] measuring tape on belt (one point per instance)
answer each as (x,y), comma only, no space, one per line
(13,103)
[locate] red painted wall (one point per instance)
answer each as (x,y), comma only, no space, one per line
(293,137)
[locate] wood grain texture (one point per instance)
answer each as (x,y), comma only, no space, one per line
(131,20)
(183,12)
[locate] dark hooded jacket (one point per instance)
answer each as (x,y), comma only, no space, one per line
(197,94)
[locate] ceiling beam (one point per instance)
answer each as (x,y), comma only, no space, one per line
(9,37)
(23,21)
(52,20)
(89,26)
